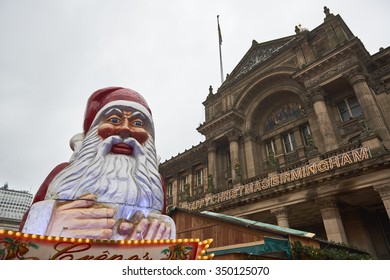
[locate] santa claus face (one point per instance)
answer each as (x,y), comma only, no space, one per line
(124,124)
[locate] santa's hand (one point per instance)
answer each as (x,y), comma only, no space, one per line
(81,218)
(150,228)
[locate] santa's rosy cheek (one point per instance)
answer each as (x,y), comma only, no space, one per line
(141,137)
(105,130)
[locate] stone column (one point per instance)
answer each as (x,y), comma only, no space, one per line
(298,138)
(384,192)
(212,161)
(332,221)
(234,156)
(300,146)
(370,108)
(175,191)
(281,216)
(251,156)
(324,122)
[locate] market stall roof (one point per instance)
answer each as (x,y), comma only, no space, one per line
(259,225)
(247,223)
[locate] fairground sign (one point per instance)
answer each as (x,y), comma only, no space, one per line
(23,246)
(277,179)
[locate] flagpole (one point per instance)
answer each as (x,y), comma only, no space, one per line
(219,45)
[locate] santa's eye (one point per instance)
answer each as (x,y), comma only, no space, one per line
(114,120)
(138,123)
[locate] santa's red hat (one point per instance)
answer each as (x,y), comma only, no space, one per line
(105,98)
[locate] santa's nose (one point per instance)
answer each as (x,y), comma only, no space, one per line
(124,131)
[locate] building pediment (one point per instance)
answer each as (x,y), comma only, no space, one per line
(258,53)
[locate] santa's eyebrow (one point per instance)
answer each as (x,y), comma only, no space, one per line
(112,111)
(138,114)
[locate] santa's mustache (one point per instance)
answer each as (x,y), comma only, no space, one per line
(106,145)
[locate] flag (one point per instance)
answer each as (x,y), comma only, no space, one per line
(219,32)
(219,46)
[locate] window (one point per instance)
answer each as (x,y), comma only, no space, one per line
(270,148)
(199,178)
(185,188)
(183,182)
(169,189)
(289,142)
(306,134)
(349,108)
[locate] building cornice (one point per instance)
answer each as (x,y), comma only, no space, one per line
(225,122)
(187,159)
(334,63)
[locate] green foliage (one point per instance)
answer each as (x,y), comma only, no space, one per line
(301,252)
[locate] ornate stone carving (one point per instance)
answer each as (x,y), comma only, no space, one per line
(336,69)
(327,12)
(326,202)
(250,135)
(233,135)
(365,129)
(360,75)
(260,55)
(280,213)
(328,206)
(356,77)
(316,94)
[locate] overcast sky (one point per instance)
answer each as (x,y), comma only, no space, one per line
(55,53)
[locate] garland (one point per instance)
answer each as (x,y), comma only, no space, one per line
(301,252)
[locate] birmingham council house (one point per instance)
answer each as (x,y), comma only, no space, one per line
(298,136)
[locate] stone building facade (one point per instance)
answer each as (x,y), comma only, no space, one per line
(297,135)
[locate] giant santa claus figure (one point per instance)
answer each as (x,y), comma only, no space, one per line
(111,187)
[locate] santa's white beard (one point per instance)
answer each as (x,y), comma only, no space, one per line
(127,183)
